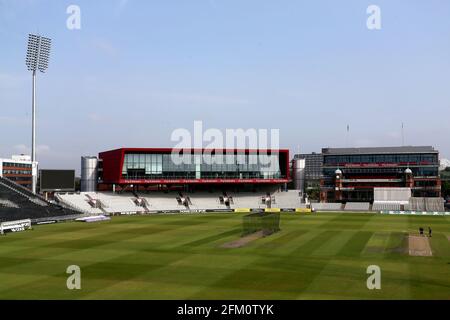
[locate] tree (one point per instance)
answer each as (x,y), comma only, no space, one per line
(445,189)
(313,193)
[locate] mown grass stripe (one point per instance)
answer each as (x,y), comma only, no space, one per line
(150,257)
(314,243)
(356,244)
(333,247)
(212,238)
(277,240)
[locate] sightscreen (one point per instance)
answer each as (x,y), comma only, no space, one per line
(57,180)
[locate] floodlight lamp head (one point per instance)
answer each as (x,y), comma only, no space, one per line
(38,53)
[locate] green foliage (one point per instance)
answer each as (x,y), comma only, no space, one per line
(445,188)
(313,193)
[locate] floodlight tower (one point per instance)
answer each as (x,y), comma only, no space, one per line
(38,54)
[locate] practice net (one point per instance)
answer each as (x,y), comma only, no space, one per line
(266,222)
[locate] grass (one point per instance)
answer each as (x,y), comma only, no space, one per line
(319,256)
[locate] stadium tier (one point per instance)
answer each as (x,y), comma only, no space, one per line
(435,204)
(357,206)
(152,202)
(289,199)
(78,202)
(355,174)
(127,202)
(426,204)
(384,206)
(18,203)
(392,195)
(326,206)
(185,179)
(149,180)
(191,169)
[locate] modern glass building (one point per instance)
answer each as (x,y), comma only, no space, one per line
(313,168)
(144,166)
(351,174)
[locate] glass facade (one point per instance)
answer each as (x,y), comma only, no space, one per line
(13,168)
(24,172)
(18,172)
(201,166)
(313,165)
(382,158)
(364,169)
(16,165)
(417,171)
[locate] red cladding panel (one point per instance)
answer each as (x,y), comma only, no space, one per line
(113,163)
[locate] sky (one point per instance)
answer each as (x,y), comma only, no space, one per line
(137,70)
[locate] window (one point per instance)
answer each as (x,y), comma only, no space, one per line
(142,166)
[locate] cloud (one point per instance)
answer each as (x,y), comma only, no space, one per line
(214,99)
(23,149)
(200,99)
(105,47)
(393,135)
(120,7)
(364,142)
(93,116)
(213,3)
(12,81)
(13,121)
(6,10)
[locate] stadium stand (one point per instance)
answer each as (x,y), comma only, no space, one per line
(268,200)
(386,206)
(226,200)
(435,204)
(112,203)
(326,206)
(118,203)
(417,204)
(162,201)
(141,202)
(8,204)
(428,204)
(78,201)
(248,200)
(210,201)
(100,203)
(392,195)
(20,203)
(391,199)
(184,200)
(289,199)
(357,206)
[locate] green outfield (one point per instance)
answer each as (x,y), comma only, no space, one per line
(317,256)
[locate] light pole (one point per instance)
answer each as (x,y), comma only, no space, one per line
(38,53)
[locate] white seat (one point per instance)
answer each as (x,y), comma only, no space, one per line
(326,206)
(78,201)
(357,206)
